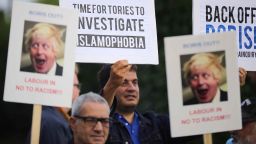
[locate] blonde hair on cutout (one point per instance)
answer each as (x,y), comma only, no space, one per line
(207,60)
(49,30)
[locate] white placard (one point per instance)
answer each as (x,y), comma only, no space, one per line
(187,115)
(230,15)
(23,83)
(112,30)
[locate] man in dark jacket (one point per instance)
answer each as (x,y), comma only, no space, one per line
(130,126)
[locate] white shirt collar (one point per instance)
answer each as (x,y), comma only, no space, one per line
(52,70)
(216,97)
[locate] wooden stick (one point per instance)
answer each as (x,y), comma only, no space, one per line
(207,138)
(36,124)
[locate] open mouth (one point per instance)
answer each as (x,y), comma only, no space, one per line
(98,138)
(202,92)
(130,97)
(40,61)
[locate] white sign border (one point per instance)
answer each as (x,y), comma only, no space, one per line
(173,49)
(111,55)
(23,11)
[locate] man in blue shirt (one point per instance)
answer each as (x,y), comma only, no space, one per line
(119,85)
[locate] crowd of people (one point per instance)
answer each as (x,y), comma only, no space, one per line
(111,116)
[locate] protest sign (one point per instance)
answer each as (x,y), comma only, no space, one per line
(229,15)
(40,64)
(112,30)
(203,84)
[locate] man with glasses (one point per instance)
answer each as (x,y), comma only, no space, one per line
(90,119)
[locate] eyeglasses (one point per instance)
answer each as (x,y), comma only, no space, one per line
(92,121)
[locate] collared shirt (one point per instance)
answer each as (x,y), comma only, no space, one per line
(52,70)
(216,98)
(132,128)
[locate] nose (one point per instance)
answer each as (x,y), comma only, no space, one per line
(131,86)
(98,127)
(40,50)
(201,80)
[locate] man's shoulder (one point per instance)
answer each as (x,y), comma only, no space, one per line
(191,101)
(154,118)
(223,95)
(50,116)
(54,128)
(59,70)
(48,113)
(151,114)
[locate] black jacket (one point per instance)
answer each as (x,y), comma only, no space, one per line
(154,129)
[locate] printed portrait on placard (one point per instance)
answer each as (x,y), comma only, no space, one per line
(43,48)
(204,78)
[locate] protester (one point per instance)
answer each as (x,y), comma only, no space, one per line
(55,120)
(44,41)
(90,119)
(247,135)
(130,126)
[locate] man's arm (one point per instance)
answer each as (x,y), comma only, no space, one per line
(116,78)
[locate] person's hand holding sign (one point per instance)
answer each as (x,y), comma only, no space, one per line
(117,73)
(242,75)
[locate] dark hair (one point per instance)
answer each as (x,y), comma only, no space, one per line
(103,76)
(104,73)
(248,110)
